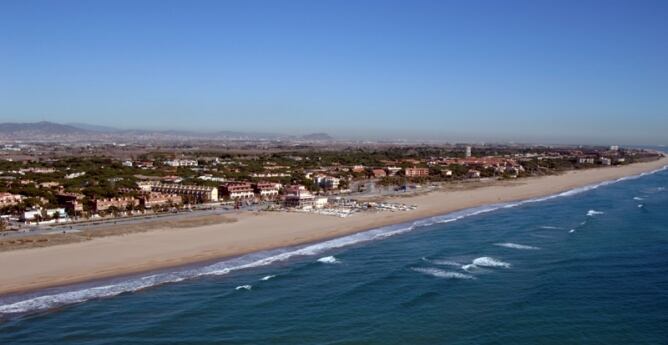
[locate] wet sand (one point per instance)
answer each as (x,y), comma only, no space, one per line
(35,268)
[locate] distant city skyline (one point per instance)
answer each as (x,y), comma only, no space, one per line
(589,72)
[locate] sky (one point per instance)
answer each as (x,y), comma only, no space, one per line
(525,71)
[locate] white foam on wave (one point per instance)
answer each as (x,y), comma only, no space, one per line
(486,261)
(244,287)
(571,231)
(328,260)
(592,213)
(549,227)
(516,246)
(641,205)
(265,278)
(79,293)
(439,273)
(637,198)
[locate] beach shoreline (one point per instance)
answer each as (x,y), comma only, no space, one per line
(27,270)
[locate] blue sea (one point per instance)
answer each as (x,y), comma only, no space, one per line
(588,266)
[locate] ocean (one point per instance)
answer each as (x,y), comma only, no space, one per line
(588,266)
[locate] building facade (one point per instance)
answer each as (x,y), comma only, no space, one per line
(417,172)
(298,196)
(237,190)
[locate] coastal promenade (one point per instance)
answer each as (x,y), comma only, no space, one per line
(36,268)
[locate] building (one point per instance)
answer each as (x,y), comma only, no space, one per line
(467,152)
(327,182)
(266,190)
(38,170)
(8,199)
(75,175)
(72,202)
(378,173)
(393,170)
(199,193)
(320,202)
(298,196)
(50,184)
(42,214)
(416,172)
(144,164)
(614,148)
(181,163)
(358,168)
(127,164)
(606,161)
(237,190)
(120,204)
(154,199)
(586,160)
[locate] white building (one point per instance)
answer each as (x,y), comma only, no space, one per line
(299,197)
(181,163)
(467,154)
(75,175)
(327,182)
(320,202)
(34,215)
(267,190)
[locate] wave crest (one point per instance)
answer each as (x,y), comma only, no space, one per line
(592,213)
(516,246)
(439,273)
(329,260)
(486,261)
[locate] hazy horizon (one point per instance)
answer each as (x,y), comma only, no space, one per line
(572,72)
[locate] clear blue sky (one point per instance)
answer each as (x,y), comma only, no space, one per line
(569,71)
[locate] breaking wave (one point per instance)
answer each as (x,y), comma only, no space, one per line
(328,260)
(548,227)
(244,287)
(265,278)
(592,213)
(486,261)
(637,198)
(516,246)
(439,273)
(51,298)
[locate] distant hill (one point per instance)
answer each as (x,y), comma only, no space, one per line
(95,128)
(317,137)
(49,131)
(38,131)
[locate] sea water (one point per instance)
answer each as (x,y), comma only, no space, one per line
(588,266)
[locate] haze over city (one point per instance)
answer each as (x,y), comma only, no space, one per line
(590,72)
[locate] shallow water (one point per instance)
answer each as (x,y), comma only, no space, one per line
(588,266)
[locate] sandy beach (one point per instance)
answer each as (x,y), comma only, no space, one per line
(35,268)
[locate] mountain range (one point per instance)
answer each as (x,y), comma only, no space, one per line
(50,131)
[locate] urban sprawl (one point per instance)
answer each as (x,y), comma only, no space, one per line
(44,185)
